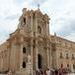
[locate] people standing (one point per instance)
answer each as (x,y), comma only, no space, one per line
(52,71)
(56,71)
(38,72)
(10,72)
(48,72)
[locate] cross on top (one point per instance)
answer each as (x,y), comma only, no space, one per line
(38,5)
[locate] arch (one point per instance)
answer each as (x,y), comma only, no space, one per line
(24,20)
(24,64)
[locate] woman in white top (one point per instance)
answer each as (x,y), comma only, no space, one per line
(48,72)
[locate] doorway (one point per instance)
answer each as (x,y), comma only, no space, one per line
(39,61)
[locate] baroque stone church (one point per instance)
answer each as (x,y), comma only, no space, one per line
(32,47)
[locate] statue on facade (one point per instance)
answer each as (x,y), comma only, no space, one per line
(29,58)
(29,66)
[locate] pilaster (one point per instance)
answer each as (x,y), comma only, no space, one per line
(21,53)
(32,56)
(48,65)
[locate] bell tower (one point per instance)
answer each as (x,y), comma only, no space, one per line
(34,21)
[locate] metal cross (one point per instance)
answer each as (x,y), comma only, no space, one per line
(38,6)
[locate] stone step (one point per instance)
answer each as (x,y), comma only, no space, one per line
(3,74)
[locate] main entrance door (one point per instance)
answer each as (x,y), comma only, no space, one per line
(39,61)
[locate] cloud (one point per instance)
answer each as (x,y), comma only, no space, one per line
(71,36)
(11,17)
(61,12)
(39,1)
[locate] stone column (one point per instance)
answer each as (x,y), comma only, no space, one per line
(47,26)
(21,53)
(2,61)
(47,29)
(36,57)
(32,43)
(36,41)
(47,34)
(48,58)
(31,24)
(29,66)
(32,56)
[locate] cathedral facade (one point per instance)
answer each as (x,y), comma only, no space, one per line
(31,46)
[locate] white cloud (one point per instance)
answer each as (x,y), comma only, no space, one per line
(10,11)
(62,13)
(7,23)
(71,37)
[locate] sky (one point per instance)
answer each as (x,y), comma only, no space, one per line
(61,13)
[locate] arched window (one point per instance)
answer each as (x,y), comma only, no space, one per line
(68,65)
(24,64)
(24,20)
(39,29)
(24,50)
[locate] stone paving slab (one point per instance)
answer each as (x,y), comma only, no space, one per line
(71,74)
(3,74)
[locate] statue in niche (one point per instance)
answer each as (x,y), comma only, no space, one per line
(29,66)
(29,58)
